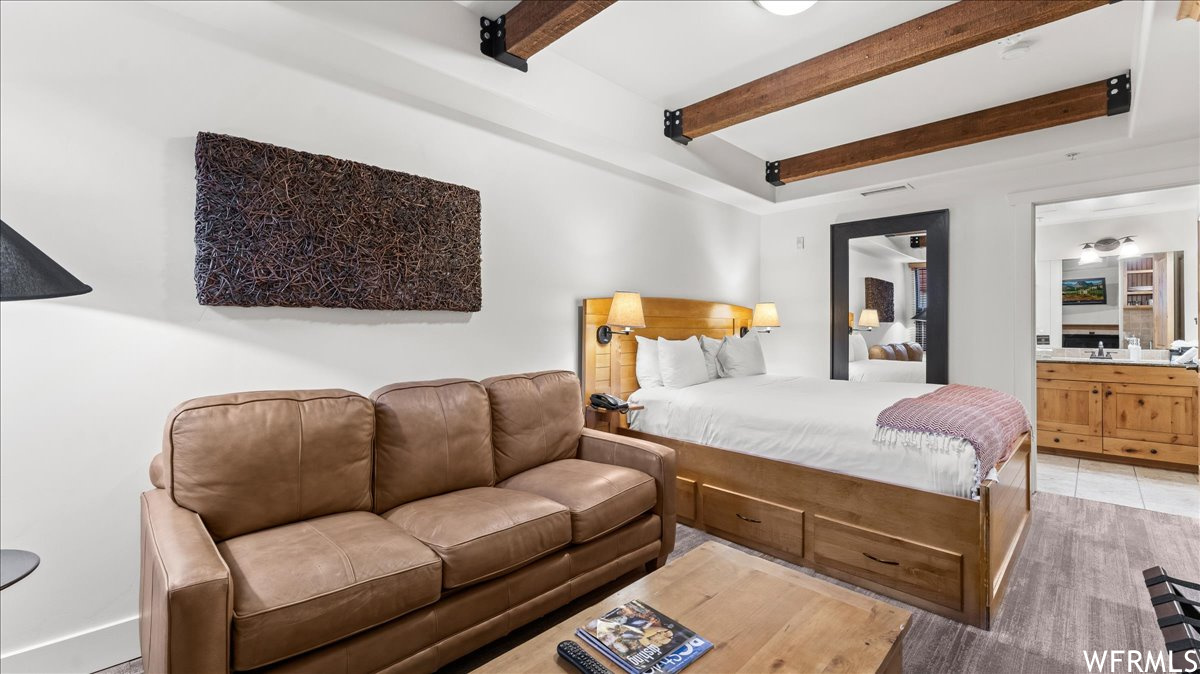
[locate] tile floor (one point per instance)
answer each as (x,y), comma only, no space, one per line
(1167,491)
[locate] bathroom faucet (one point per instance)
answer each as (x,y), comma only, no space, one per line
(1099,353)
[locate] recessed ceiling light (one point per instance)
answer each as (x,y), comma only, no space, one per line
(785,7)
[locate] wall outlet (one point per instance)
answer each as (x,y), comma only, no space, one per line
(799,243)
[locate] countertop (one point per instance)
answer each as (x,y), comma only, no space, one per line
(1106,361)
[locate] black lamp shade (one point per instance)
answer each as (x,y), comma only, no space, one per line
(27,273)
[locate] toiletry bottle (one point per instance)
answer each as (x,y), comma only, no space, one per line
(1135,349)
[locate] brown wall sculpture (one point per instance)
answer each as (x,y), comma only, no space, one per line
(881,296)
(280,227)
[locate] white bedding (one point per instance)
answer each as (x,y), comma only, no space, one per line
(818,423)
(905,371)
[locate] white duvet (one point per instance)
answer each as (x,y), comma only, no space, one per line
(818,423)
(907,371)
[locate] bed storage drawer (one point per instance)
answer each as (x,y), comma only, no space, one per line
(917,569)
(685,499)
(752,519)
(1080,443)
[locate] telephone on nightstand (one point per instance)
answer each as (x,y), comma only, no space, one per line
(608,402)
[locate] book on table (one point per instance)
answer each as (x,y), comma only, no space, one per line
(641,640)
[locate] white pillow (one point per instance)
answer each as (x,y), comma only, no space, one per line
(646,366)
(710,347)
(858,347)
(681,362)
(741,356)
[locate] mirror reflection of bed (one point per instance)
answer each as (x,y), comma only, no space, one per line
(888,294)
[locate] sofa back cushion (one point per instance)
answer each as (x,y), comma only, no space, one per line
(251,461)
(536,418)
(432,437)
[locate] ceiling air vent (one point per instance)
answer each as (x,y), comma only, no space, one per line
(884,190)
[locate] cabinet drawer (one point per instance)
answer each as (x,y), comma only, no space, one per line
(1072,441)
(1152,451)
(917,569)
(770,524)
(685,498)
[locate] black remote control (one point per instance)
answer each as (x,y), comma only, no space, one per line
(574,654)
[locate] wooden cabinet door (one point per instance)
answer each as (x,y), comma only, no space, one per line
(1069,407)
(1150,413)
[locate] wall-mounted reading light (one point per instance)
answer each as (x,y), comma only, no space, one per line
(625,314)
(764,318)
(868,320)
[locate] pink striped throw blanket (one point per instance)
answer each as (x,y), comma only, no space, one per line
(989,420)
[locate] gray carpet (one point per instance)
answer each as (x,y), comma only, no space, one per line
(1077,586)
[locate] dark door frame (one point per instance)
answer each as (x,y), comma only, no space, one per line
(936,225)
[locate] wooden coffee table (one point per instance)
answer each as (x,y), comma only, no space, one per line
(760,617)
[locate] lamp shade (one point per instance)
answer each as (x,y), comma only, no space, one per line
(868,318)
(765,316)
(27,273)
(626,311)
(920,315)
(852,319)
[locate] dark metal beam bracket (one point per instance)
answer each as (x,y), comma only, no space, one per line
(492,43)
(773,174)
(673,126)
(1120,94)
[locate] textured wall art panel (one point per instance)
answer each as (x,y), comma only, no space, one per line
(280,227)
(881,296)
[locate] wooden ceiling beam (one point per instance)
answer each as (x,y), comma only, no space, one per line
(1112,96)
(532,26)
(955,28)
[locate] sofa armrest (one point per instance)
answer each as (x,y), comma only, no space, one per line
(653,459)
(186,600)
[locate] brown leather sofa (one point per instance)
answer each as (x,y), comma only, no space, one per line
(319,531)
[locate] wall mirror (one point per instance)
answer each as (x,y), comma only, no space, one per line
(1117,270)
(889,288)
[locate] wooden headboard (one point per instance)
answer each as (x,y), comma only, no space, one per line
(665,317)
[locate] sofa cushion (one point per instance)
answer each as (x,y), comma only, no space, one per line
(599,496)
(536,419)
(306,584)
(250,461)
(432,437)
(484,532)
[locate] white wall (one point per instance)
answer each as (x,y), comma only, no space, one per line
(100,108)
(1155,233)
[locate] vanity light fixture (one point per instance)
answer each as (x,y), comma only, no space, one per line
(1125,247)
(624,314)
(1089,255)
(785,7)
(1129,248)
(764,318)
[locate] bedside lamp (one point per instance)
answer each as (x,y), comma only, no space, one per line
(868,319)
(765,317)
(27,273)
(625,314)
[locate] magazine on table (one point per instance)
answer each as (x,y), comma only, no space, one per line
(641,640)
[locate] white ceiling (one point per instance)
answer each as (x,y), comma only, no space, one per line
(598,92)
(1170,200)
(714,46)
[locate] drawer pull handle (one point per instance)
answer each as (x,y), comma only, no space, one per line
(748,519)
(881,561)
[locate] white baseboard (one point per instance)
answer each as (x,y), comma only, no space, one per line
(84,652)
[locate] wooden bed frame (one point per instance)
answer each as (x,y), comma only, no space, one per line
(945,554)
